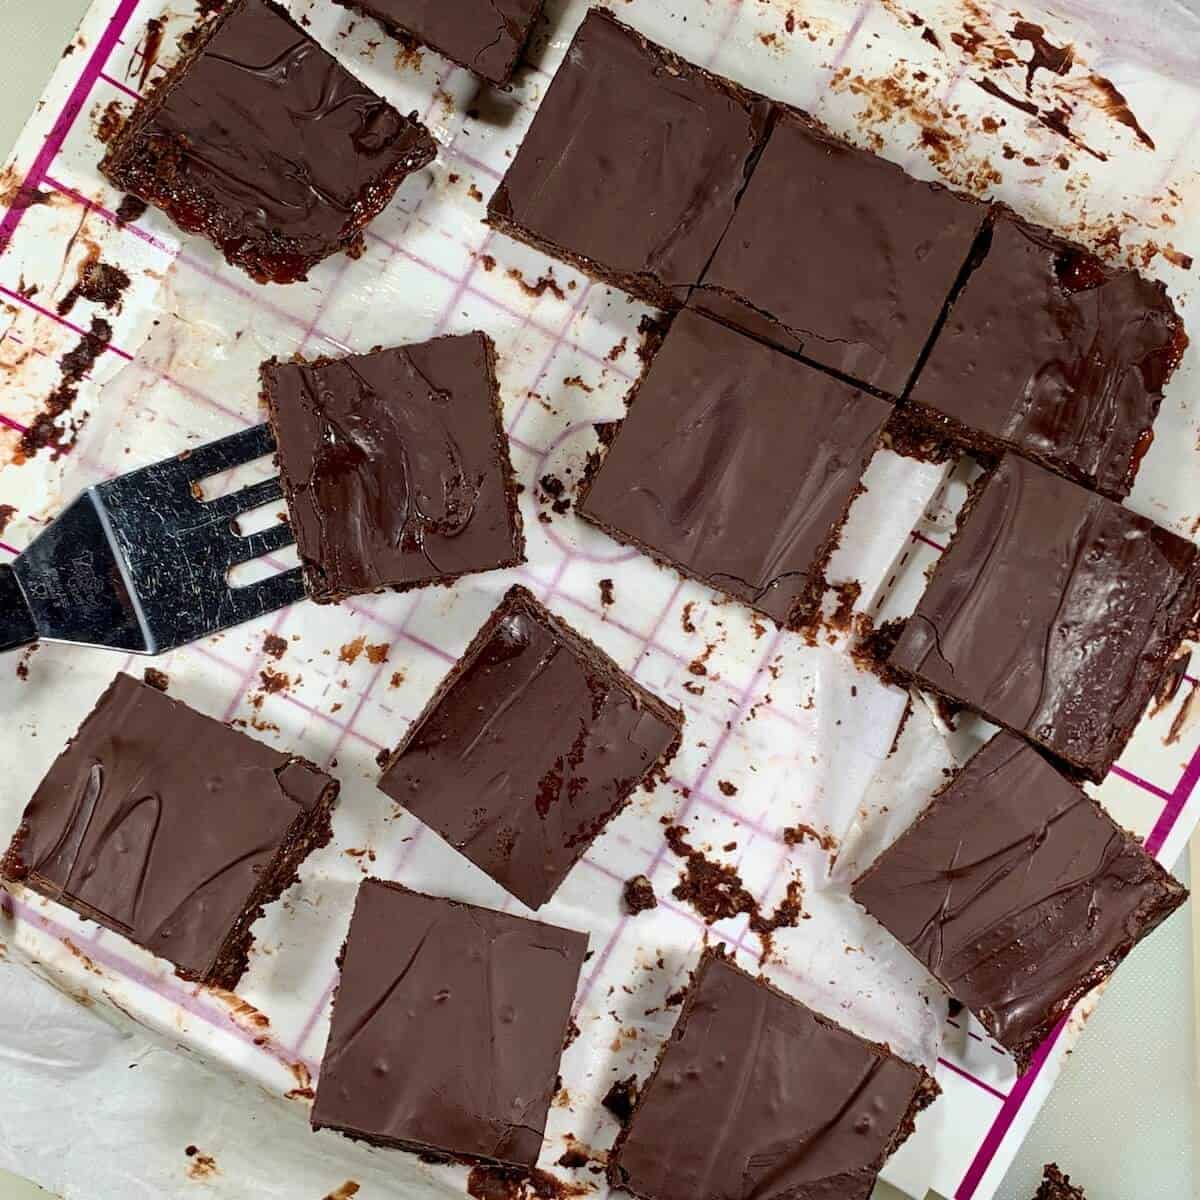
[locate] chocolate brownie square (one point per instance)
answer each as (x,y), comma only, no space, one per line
(262,142)
(448,1025)
(838,255)
(1049,352)
(485,36)
(171,829)
(1054,613)
(532,744)
(736,465)
(395,466)
(1018,892)
(633,163)
(757,1097)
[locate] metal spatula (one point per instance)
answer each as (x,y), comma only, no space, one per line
(141,563)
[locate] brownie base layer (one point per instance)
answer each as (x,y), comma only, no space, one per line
(133,166)
(502,453)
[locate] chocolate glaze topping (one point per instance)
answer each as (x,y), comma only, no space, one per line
(736,465)
(533,743)
(168,827)
(838,255)
(1054,612)
(757,1097)
(1052,353)
(261,141)
(447,1027)
(395,466)
(633,163)
(1018,892)
(485,36)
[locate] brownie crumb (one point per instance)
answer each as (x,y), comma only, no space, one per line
(98,282)
(131,208)
(621,1099)
(652,331)
(382,756)
(156,678)
(23,661)
(43,432)
(1057,1186)
(639,895)
(689,626)
(727,788)
(875,644)
(350,652)
(546,283)
(378,653)
(397,679)
(513,1183)
(675,999)
(275,646)
(7,512)
(348,1189)
(954,1007)
(847,597)
(606,593)
(573,1158)
(573,1032)
(273,681)
(796,835)
(717,893)
(111,122)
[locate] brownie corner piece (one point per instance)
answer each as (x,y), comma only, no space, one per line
(171,829)
(535,740)
(633,164)
(764,456)
(486,37)
(1018,892)
(1072,369)
(262,142)
(448,1025)
(755,1094)
(1054,612)
(863,304)
(395,466)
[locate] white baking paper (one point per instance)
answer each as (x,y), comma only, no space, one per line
(785,733)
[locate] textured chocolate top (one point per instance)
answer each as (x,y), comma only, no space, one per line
(533,742)
(1017,891)
(1056,355)
(634,160)
(485,36)
(736,464)
(757,1097)
(1054,612)
(841,256)
(161,823)
(262,141)
(448,1026)
(395,466)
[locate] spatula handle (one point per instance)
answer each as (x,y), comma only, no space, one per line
(16,621)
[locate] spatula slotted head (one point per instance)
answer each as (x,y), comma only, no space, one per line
(142,563)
